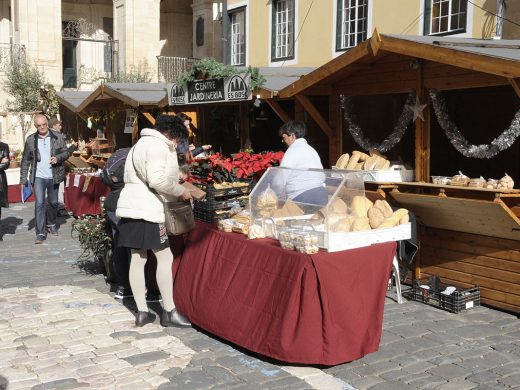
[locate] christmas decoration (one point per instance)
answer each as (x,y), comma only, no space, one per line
(417,109)
(499,144)
(393,139)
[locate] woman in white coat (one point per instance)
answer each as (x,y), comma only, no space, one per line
(152,177)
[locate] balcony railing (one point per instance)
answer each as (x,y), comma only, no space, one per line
(9,53)
(170,68)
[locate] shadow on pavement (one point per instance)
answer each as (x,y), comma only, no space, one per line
(3,383)
(8,225)
(91,267)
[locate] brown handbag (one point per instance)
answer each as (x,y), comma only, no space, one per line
(178,218)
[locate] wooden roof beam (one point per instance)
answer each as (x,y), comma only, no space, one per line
(90,98)
(351,56)
(314,113)
(278,110)
(149,117)
(446,55)
(515,83)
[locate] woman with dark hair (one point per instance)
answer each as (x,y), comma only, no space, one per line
(151,178)
(4,164)
(189,148)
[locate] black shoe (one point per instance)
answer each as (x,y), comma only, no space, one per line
(144,317)
(153,297)
(174,318)
(52,230)
(40,238)
(123,292)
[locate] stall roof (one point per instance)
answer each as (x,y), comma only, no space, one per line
(277,78)
(133,94)
(495,57)
(72,99)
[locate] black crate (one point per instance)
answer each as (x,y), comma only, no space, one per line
(210,215)
(212,192)
(219,203)
(461,299)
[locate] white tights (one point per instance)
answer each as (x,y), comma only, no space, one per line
(163,275)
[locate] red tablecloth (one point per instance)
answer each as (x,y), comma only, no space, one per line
(14,194)
(80,200)
(325,308)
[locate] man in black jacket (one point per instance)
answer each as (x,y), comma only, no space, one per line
(43,156)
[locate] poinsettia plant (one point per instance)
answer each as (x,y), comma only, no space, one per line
(218,168)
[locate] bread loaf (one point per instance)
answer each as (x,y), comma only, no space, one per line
(390,222)
(375,217)
(370,163)
(360,206)
(338,206)
(353,160)
(360,223)
(344,224)
(384,207)
(382,164)
(342,161)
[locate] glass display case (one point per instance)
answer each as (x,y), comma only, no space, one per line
(309,209)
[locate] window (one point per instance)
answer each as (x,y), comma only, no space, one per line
(237,35)
(445,16)
(351,23)
(282,41)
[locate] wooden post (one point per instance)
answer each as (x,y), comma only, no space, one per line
(422,134)
(335,140)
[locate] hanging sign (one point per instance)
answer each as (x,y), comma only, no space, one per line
(232,88)
(129,121)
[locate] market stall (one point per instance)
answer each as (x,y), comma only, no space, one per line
(441,105)
(309,284)
(82,193)
(324,308)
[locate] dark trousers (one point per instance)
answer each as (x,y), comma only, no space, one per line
(120,255)
(46,206)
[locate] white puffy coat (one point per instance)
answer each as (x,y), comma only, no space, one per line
(155,159)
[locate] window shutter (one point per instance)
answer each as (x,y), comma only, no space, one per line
(273,30)
(339,17)
(427,16)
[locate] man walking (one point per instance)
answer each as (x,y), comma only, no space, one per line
(43,157)
(56,125)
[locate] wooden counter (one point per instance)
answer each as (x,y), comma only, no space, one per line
(467,236)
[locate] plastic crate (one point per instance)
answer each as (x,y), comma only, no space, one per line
(212,192)
(210,215)
(460,299)
(219,203)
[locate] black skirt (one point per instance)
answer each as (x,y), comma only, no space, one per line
(141,234)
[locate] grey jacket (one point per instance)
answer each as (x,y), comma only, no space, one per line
(31,157)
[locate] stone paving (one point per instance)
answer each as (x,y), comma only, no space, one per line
(61,328)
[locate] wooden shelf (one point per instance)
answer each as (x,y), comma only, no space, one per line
(484,217)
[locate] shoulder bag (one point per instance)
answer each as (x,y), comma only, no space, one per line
(178,216)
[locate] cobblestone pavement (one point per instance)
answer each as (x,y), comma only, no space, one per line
(61,328)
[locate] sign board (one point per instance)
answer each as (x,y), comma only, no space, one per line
(234,88)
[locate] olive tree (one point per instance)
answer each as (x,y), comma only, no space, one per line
(24,83)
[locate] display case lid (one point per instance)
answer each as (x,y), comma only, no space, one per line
(308,189)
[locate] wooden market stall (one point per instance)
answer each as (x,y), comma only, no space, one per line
(467,236)
(107,118)
(112,104)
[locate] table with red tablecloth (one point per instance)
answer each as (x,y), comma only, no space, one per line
(324,308)
(83,198)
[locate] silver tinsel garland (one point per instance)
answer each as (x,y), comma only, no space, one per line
(393,139)
(499,144)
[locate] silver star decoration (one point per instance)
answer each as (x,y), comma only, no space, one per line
(417,109)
